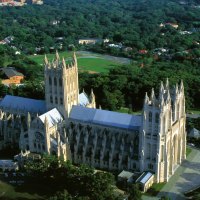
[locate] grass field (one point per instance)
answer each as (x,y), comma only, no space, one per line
(88,63)
(8,192)
(95,64)
(188,151)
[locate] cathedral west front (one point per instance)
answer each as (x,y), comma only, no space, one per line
(68,124)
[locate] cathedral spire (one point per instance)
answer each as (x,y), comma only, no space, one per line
(63,63)
(161,92)
(46,123)
(168,96)
(176,89)
(181,86)
(153,97)
(167,84)
(75,59)
(92,99)
(146,99)
(57,55)
(46,60)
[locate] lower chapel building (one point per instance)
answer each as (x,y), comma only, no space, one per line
(68,125)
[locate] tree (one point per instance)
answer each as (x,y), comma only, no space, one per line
(134,192)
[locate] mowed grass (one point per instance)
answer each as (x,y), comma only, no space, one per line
(90,64)
(96,65)
(8,192)
(188,151)
(40,58)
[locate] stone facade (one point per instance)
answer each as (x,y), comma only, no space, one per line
(68,125)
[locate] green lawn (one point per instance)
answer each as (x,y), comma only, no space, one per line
(88,63)
(126,110)
(8,191)
(188,151)
(40,58)
(96,64)
(193,111)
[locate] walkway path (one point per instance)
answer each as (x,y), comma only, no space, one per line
(186,177)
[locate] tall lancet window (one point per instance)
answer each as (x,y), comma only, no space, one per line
(157,118)
(50,82)
(60,82)
(150,116)
(55,81)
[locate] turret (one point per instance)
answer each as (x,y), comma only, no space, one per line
(146,99)
(153,98)
(161,91)
(47,136)
(92,99)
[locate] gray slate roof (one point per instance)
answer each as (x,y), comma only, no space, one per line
(106,118)
(10,72)
(23,104)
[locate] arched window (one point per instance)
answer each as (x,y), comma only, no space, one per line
(55,81)
(50,82)
(157,118)
(60,82)
(150,116)
(61,100)
(51,99)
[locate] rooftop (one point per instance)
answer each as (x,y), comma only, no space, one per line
(106,118)
(144,177)
(10,72)
(125,174)
(23,104)
(53,117)
(83,99)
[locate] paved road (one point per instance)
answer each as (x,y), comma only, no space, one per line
(186,177)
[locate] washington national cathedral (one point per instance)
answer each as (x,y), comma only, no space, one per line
(69,125)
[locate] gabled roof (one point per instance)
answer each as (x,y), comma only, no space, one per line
(10,72)
(125,174)
(106,118)
(23,104)
(83,99)
(53,117)
(144,177)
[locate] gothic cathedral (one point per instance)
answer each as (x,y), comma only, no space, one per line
(67,124)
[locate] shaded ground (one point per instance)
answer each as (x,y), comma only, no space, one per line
(186,177)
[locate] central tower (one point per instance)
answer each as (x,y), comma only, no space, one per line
(61,84)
